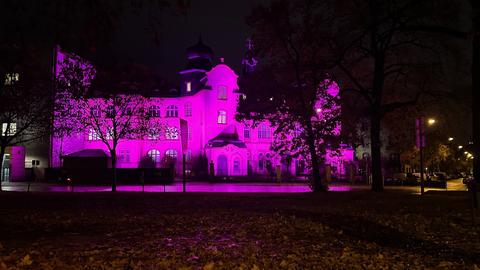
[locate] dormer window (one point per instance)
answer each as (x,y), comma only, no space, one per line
(222,92)
(189,87)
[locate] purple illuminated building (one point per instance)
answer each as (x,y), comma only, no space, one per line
(200,123)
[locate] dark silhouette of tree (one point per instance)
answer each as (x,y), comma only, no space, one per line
(290,87)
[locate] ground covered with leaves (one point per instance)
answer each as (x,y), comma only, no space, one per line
(343,230)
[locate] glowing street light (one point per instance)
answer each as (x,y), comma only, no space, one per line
(460,146)
(450,139)
(318,110)
(431,121)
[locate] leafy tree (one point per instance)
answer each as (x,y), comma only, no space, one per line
(110,117)
(291,88)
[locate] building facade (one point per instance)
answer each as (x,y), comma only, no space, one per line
(200,124)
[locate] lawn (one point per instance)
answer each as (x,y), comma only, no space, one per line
(342,230)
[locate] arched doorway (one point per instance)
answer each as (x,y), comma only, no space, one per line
(222,165)
(237,169)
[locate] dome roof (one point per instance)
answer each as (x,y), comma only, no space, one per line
(199,50)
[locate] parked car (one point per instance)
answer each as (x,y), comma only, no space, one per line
(402,179)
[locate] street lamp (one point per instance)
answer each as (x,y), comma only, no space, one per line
(460,146)
(450,139)
(420,136)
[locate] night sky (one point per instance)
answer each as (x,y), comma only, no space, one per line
(220,23)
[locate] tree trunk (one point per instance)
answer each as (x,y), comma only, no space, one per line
(2,153)
(317,184)
(375,149)
(114,168)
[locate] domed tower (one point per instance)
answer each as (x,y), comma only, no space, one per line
(199,61)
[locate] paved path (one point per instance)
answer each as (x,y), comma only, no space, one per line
(453,185)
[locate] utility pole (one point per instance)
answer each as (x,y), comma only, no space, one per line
(184,174)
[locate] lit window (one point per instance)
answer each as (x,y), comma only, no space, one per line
(153,134)
(9,129)
(263,132)
(189,86)
(155,155)
(222,117)
(109,134)
(171,153)
(154,111)
(246,133)
(222,92)
(188,109)
(171,133)
(172,111)
(93,135)
(11,78)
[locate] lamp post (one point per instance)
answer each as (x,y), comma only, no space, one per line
(420,139)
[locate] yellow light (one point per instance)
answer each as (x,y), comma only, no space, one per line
(466,153)
(431,121)
(460,146)
(450,139)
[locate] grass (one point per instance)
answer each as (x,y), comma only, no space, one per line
(343,230)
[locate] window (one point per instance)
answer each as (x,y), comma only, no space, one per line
(222,92)
(11,78)
(124,156)
(246,133)
(110,111)
(189,86)
(172,111)
(189,132)
(9,129)
(188,109)
(154,111)
(95,111)
(222,117)
(171,153)
(264,132)
(155,155)
(236,166)
(171,133)
(260,161)
(188,156)
(92,135)
(109,134)
(153,134)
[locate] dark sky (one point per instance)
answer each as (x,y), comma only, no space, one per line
(221,23)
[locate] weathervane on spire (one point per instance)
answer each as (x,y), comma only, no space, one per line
(249,62)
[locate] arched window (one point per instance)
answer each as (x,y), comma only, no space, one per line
(155,155)
(188,109)
(171,153)
(222,117)
(222,92)
(92,135)
(154,111)
(172,111)
(264,132)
